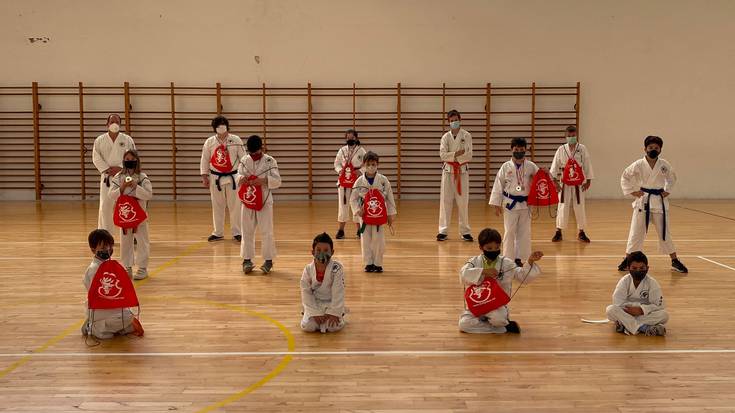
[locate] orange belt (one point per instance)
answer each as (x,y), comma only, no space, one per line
(456,171)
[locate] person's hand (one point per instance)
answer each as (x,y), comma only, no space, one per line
(331,320)
(113,170)
(545,169)
(459,153)
(634,311)
(205,181)
(129,184)
(490,273)
(359,212)
(665,194)
(557,185)
(637,194)
(390,220)
(586,185)
(535,256)
(319,319)
(498,210)
(259,181)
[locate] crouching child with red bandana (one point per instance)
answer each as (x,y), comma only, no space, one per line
(372,201)
(487,283)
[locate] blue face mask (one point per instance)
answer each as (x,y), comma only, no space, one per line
(455,124)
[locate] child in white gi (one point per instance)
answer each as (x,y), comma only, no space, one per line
(351,154)
(455,150)
(323,289)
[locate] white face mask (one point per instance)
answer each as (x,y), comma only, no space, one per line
(114,128)
(221,129)
(371,169)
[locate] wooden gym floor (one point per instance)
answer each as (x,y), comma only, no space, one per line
(217,340)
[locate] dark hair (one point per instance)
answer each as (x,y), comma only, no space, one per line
(137,158)
(371,156)
(110,116)
(653,139)
(489,235)
(220,120)
(100,236)
(324,238)
(453,112)
(254,143)
(352,131)
(637,256)
(518,142)
(571,128)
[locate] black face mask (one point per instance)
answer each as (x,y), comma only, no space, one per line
(351,142)
(638,274)
(104,255)
(491,255)
(653,154)
(130,164)
(519,155)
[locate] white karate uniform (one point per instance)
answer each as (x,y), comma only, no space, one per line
(648,296)
(471,274)
(226,196)
(569,193)
(322,298)
(107,154)
(144,192)
(266,167)
(516,221)
(640,175)
(107,323)
(345,155)
(373,239)
(449,191)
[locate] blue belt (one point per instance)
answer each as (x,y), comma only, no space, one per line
(647,207)
(516,199)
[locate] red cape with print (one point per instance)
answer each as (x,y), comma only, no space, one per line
(543,191)
(374,210)
(111,288)
(220,159)
(128,213)
(573,174)
(347,176)
(251,195)
(485,297)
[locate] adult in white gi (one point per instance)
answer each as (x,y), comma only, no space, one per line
(107,156)
(509,196)
(571,197)
(650,180)
(352,153)
(323,289)
(455,150)
(265,168)
(638,303)
(221,183)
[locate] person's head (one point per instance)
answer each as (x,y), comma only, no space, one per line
(131,161)
(113,123)
(220,125)
(638,265)
(101,243)
(322,248)
(571,133)
(454,118)
(653,146)
(351,137)
(518,146)
(490,240)
(255,146)
(371,161)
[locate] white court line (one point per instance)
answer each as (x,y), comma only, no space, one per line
(374,353)
(392,239)
(716,263)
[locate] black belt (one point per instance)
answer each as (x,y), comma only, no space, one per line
(647,206)
(516,199)
(221,175)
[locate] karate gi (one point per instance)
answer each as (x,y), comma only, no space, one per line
(568,198)
(455,184)
(107,154)
(373,239)
(323,297)
(647,296)
(144,193)
(346,154)
(107,323)
(265,167)
(224,195)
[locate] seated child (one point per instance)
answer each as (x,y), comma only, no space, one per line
(638,303)
(491,265)
(107,323)
(323,289)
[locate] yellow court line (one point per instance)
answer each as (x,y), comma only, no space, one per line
(78,324)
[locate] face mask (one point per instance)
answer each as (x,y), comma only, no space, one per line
(491,255)
(256,156)
(221,129)
(455,124)
(519,155)
(130,164)
(104,255)
(371,169)
(653,154)
(322,257)
(572,140)
(113,128)
(638,274)
(351,142)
